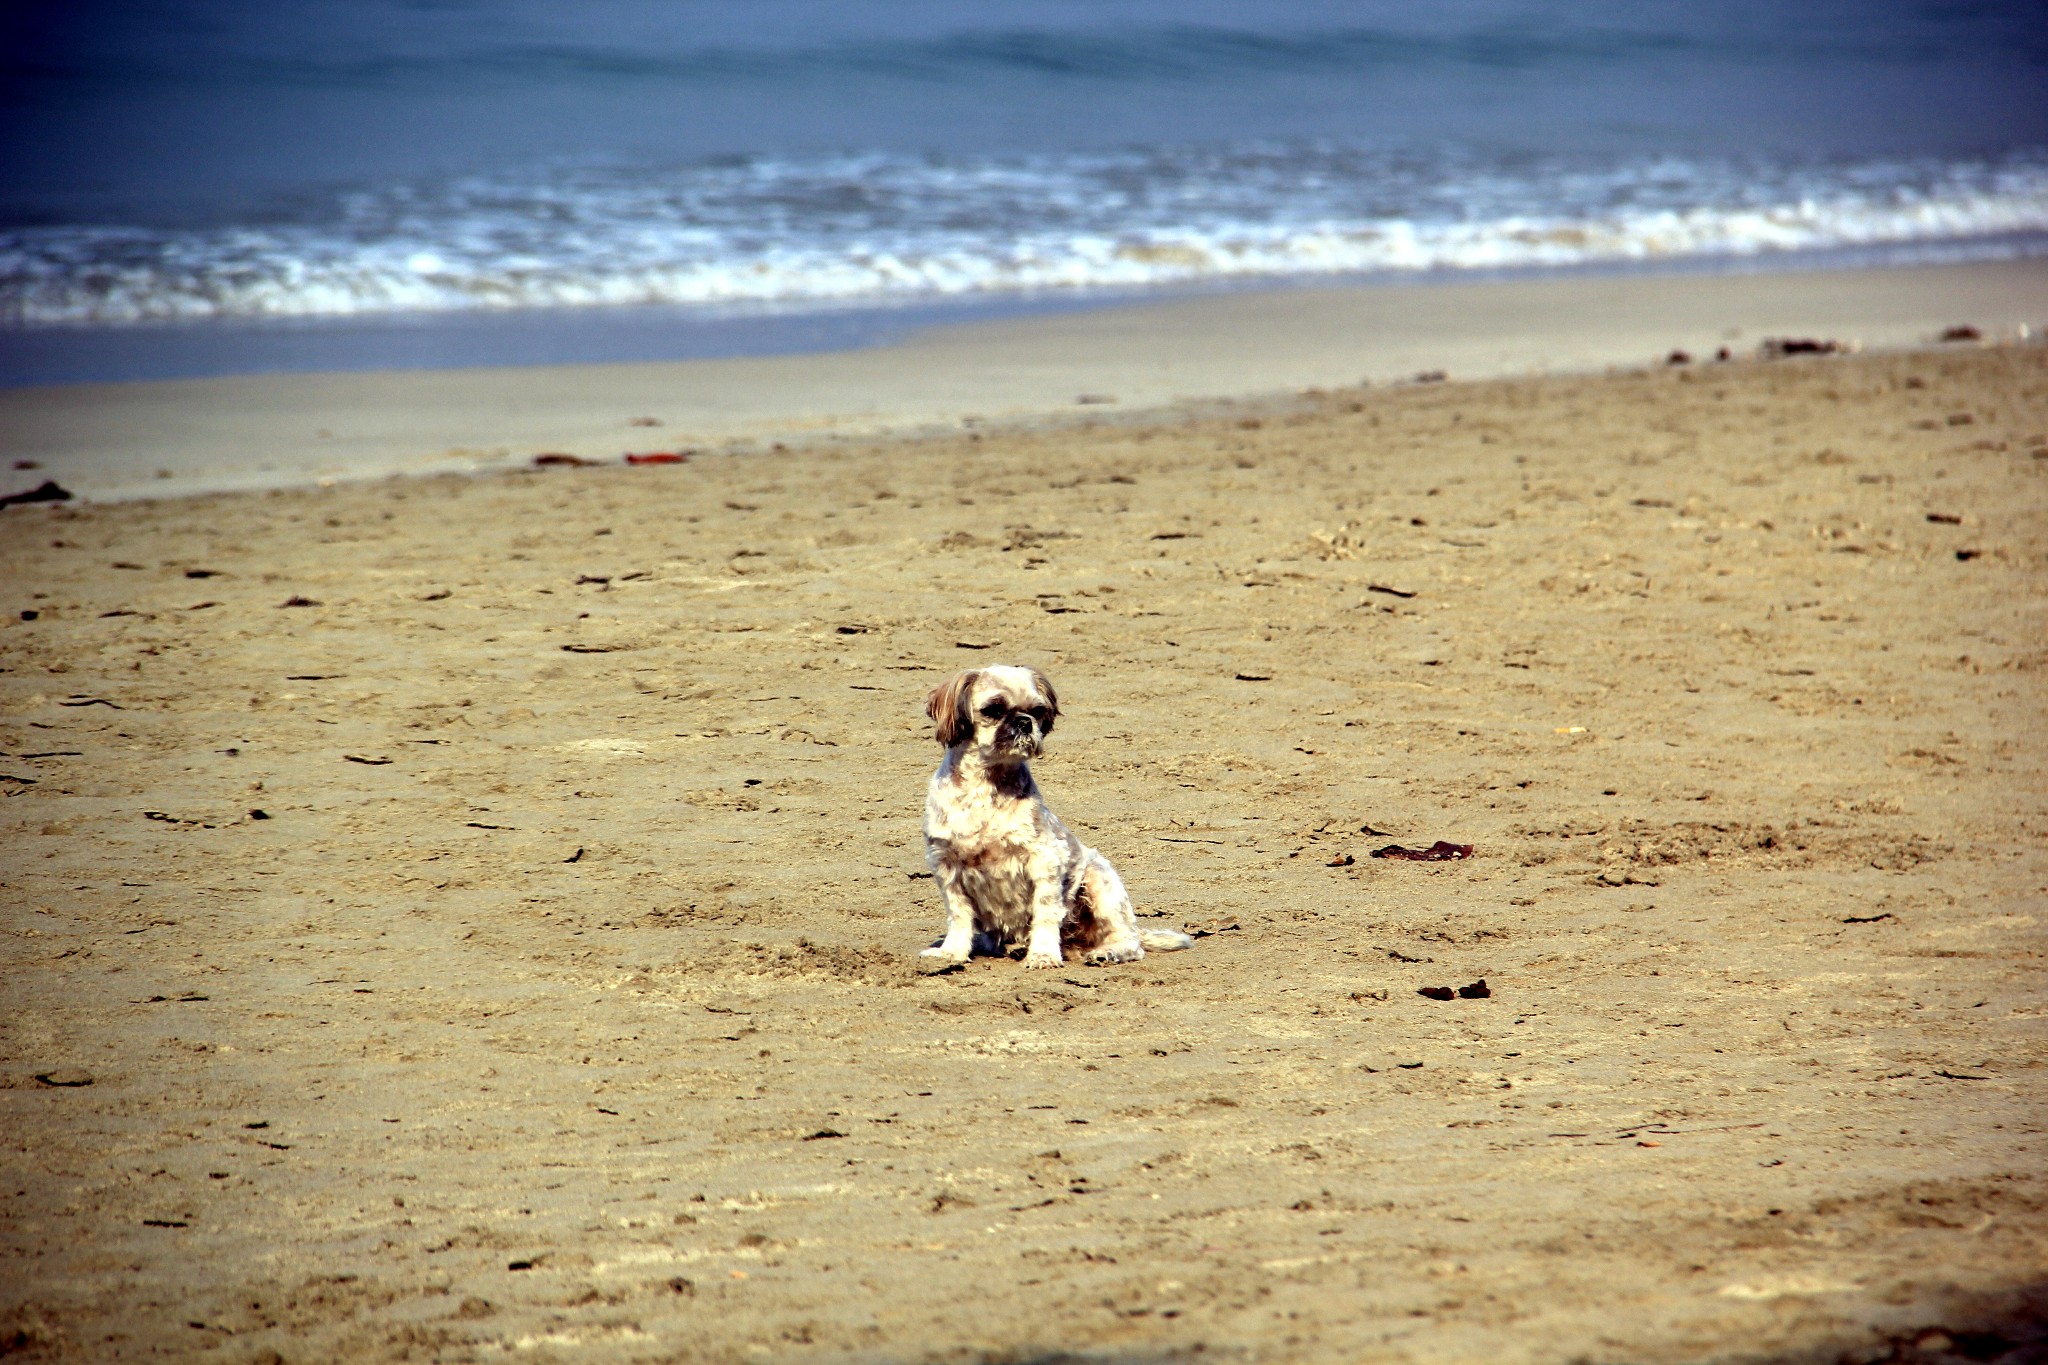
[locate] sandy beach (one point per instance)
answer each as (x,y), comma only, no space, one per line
(474,918)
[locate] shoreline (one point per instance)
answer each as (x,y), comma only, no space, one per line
(181,437)
(47,355)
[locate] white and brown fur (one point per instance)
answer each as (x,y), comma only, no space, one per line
(1008,869)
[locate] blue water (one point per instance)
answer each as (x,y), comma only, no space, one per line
(209,187)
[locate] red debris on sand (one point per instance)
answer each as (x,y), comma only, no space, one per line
(658,457)
(1437,992)
(1439,852)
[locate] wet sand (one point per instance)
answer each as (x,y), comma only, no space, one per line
(507,951)
(180,437)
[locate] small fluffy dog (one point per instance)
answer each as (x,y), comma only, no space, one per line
(1005,864)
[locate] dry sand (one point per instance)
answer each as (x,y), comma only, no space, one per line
(560,1003)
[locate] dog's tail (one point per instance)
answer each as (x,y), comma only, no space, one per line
(1164,940)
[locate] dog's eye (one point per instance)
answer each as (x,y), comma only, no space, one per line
(1041,715)
(995,710)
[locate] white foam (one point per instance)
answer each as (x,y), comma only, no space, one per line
(781,232)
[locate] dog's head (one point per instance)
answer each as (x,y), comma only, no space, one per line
(1004,711)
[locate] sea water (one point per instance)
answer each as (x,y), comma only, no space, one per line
(207,187)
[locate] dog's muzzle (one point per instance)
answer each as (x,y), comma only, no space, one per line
(1019,732)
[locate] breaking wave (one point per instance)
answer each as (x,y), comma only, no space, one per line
(789,232)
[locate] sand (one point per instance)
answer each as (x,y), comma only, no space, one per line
(507,952)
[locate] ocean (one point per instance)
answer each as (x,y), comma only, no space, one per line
(194,187)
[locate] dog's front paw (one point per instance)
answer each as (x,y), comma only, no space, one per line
(1115,952)
(942,953)
(1043,960)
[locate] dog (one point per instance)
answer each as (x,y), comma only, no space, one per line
(1007,867)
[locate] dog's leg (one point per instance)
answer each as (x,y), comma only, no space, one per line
(958,943)
(1119,940)
(1047,913)
(1119,920)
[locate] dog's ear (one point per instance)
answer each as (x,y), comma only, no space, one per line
(1052,700)
(947,705)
